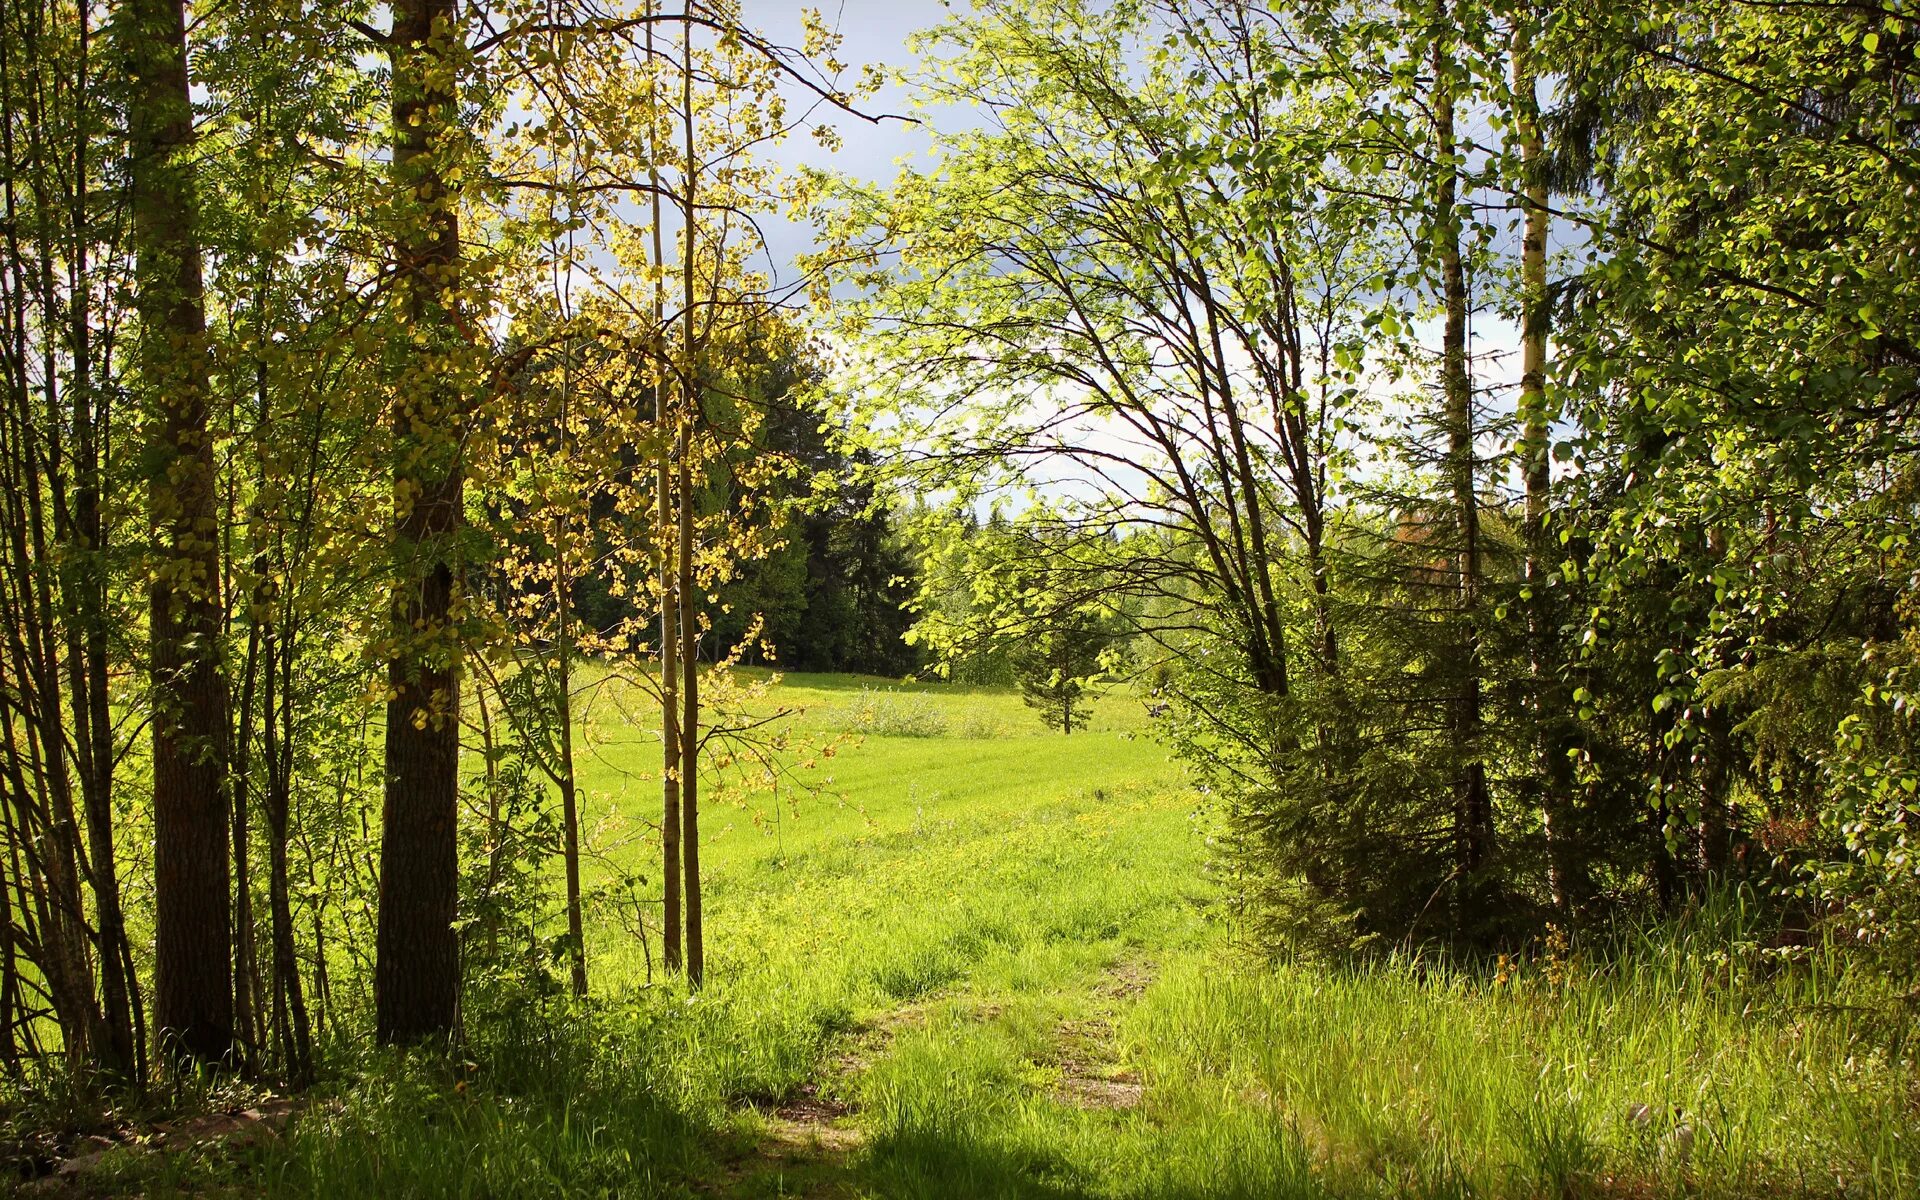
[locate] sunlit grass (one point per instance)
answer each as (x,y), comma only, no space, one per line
(1000,956)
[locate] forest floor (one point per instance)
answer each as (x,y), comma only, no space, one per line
(983,960)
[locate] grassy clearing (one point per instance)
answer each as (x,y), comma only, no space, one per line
(984,967)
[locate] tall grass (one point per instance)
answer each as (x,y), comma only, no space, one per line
(1680,1060)
(1001,956)
(1685,1056)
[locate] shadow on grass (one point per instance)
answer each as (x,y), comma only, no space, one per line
(822,682)
(954,1165)
(920,1166)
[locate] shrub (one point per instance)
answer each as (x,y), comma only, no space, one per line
(888,713)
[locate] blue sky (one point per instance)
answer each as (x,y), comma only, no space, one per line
(875,31)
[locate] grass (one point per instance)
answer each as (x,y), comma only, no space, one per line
(986,964)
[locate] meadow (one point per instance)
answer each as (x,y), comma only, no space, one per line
(985,960)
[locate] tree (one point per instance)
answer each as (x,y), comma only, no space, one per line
(320,272)
(832,596)
(56,442)
(1473,810)
(193,993)
(417,984)
(1055,663)
(1742,360)
(1147,288)
(665,567)
(1537,413)
(601,508)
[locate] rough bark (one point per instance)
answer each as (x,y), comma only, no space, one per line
(417,950)
(193,978)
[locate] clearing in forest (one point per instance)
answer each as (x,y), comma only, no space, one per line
(988,962)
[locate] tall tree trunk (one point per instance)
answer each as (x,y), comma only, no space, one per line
(563,649)
(1536,418)
(193,978)
(1473,831)
(689,613)
(669,581)
(417,951)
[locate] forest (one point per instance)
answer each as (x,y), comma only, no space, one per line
(985,598)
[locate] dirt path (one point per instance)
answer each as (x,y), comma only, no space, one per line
(813,1143)
(78,1169)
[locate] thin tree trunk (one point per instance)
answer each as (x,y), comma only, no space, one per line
(193,987)
(42,832)
(689,615)
(1473,833)
(496,828)
(563,648)
(669,580)
(690,717)
(570,819)
(417,950)
(1536,417)
(9,985)
(1715,834)
(246,1029)
(19,928)
(274,632)
(290,1010)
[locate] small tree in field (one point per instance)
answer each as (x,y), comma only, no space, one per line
(1056,664)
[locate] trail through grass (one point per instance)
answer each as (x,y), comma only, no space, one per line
(986,962)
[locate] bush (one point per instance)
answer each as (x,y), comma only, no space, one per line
(888,713)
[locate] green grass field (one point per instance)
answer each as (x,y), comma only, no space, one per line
(985,961)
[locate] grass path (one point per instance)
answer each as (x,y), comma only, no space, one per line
(960,931)
(1027,996)
(817,1143)
(987,965)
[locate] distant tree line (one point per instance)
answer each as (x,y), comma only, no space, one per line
(831,591)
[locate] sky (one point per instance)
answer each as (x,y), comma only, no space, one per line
(876,32)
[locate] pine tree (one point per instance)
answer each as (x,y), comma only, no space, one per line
(1056,663)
